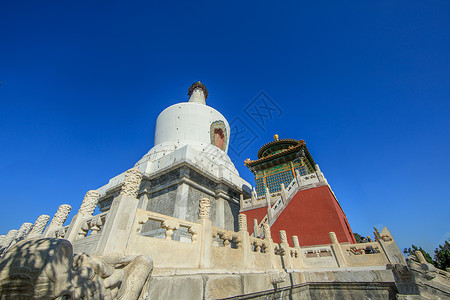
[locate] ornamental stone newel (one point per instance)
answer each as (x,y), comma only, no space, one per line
(2,240)
(283,237)
(295,241)
(340,258)
(297,177)
(89,203)
(333,238)
(131,183)
(204,208)
(23,231)
(61,216)
(242,222)
(10,236)
(267,233)
(39,225)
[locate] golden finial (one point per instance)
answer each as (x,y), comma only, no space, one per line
(275,137)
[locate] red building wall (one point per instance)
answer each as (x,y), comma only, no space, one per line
(310,215)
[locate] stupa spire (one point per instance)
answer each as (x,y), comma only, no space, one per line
(198,93)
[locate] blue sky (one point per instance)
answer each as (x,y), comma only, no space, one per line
(365,84)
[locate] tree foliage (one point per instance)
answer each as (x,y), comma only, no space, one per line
(441,255)
(357,237)
(414,249)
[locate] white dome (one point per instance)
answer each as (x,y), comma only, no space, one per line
(190,123)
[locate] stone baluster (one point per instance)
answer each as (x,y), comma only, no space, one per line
(131,182)
(10,236)
(270,245)
(298,178)
(2,240)
(255,228)
(245,242)
(206,237)
(58,220)
(299,262)
(283,193)
(170,225)
(241,201)
(253,198)
(286,251)
(39,226)
(337,249)
(121,216)
(320,175)
(78,228)
(269,206)
(89,203)
(242,222)
(23,231)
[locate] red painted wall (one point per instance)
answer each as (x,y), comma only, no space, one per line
(311,215)
(258,214)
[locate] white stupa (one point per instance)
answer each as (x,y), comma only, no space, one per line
(189,154)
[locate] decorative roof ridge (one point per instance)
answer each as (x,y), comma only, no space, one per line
(265,146)
(249,162)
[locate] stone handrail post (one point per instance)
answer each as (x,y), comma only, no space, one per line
(23,231)
(2,240)
(296,244)
(255,228)
(121,216)
(86,209)
(337,249)
(39,226)
(246,245)
(270,245)
(9,239)
(269,206)
(206,238)
(241,201)
(286,255)
(283,193)
(89,203)
(390,249)
(297,178)
(253,198)
(58,220)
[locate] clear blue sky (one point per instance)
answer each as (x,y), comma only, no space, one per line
(365,83)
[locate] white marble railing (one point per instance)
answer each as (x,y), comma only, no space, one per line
(92,226)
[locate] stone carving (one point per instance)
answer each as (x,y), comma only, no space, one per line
(204,208)
(333,238)
(39,225)
(267,233)
(283,237)
(242,222)
(2,240)
(131,182)
(194,230)
(277,277)
(10,236)
(60,217)
(23,231)
(45,268)
(295,241)
(89,203)
(170,225)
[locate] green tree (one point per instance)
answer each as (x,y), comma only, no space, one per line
(425,254)
(357,237)
(442,256)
